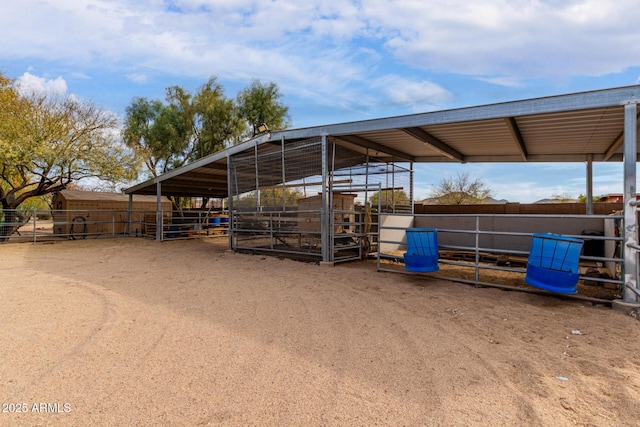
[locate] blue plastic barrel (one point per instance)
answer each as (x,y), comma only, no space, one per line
(422,250)
(174,231)
(554,262)
(214,221)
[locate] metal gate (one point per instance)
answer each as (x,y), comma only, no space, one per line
(353,227)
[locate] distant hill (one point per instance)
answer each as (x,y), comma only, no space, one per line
(543,201)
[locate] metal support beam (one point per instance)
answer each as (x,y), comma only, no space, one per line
(366,143)
(435,143)
(324,213)
(230,205)
(589,184)
(255,157)
(130,218)
(159,225)
(617,142)
(284,176)
(512,125)
(614,146)
(630,216)
(411,188)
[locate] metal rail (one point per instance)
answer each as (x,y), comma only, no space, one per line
(507,242)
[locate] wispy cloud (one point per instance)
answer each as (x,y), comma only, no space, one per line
(415,94)
(138,77)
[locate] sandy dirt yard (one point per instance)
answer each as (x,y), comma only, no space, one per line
(132,332)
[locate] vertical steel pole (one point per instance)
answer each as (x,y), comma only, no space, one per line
(331,213)
(589,200)
(477,266)
(158,211)
(230,205)
(366,179)
(284,177)
(411,187)
(393,184)
(130,217)
(35,228)
(324,212)
(630,217)
(255,158)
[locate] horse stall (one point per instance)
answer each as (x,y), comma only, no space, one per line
(277,194)
(78,214)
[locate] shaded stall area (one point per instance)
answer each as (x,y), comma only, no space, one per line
(312,198)
(339,169)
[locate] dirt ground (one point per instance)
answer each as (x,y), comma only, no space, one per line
(135,332)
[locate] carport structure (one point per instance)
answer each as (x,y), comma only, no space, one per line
(596,126)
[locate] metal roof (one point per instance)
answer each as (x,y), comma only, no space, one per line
(564,128)
(101,196)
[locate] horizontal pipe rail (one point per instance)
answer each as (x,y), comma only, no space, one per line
(392,236)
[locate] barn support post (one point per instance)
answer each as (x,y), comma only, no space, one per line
(413,211)
(630,217)
(130,215)
(255,157)
(230,205)
(366,179)
(284,177)
(159,225)
(393,184)
(324,213)
(589,201)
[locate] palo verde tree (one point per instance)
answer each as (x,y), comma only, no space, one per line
(48,141)
(461,190)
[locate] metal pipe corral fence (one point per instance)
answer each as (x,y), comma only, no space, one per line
(50,225)
(473,245)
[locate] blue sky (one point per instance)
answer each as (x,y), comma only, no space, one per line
(338,61)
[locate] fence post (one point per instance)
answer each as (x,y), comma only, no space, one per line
(35,218)
(477,266)
(113,224)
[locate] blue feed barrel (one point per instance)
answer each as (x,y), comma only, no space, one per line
(422,250)
(554,262)
(174,231)
(214,221)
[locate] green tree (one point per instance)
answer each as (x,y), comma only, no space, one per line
(49,141)
(563,198)
(216,120)
(582,198)
(461,190)
(149,132)
(271,198)
(260,103)
(390,197)
(185,128)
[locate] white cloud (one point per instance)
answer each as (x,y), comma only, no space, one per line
(418,95)
(331,51)
(138,77)
(28,83)
(503,81)
(516,39)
